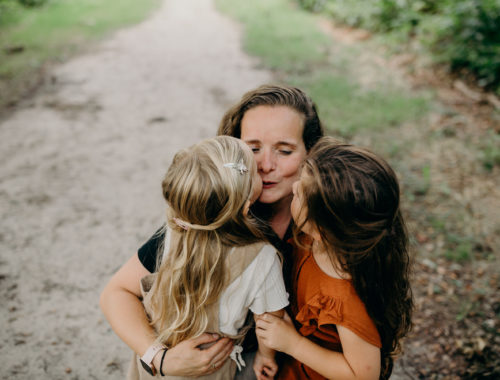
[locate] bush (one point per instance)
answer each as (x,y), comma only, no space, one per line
(470,39)
(465,34)
(32,3)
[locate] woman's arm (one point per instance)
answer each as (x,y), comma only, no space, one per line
(125,313)
(359,360)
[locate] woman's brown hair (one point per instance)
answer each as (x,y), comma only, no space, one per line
(274,95)
(352,198)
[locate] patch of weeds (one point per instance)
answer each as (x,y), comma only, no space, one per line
(465,308)
(490,151)
(438,224)
(416,183)
(461,253)
(425,184)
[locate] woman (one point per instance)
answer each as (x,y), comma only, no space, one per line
(280,124)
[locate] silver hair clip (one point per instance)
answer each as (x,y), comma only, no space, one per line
(240,166)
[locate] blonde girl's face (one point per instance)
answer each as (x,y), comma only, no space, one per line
(256,185)
(256,180)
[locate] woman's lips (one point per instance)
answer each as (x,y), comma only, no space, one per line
(268,184)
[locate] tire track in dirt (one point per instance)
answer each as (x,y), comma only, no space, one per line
(82,163)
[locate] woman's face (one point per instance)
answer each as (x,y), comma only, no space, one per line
(274,133)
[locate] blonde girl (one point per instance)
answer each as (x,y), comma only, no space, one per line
(351,299)
(215,266)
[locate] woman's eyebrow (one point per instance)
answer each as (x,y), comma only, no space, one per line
(252,141)
(286,143)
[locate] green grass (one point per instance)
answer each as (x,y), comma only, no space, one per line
(289,40)
(54,31)
(347,109)
(286,38)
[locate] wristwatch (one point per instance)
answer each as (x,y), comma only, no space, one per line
(147,358)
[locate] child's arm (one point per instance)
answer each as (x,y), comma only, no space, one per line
(125,313)
(360,359)
(264,365)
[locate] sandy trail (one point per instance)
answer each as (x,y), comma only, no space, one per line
(80,179)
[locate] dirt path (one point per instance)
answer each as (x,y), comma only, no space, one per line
(80,179)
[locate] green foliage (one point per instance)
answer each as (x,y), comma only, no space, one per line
(465,34)
(344,105)
(490,151)
(32,36)
(469,38)
(32,3)
(313,5)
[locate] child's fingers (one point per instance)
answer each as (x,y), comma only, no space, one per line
(271,370)
(265,322)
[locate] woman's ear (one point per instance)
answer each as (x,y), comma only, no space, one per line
(246,207)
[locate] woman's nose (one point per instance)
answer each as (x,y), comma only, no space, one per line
(267,162)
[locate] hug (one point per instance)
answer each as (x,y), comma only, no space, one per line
(284,254)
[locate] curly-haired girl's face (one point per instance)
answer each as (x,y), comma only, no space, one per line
(299,207)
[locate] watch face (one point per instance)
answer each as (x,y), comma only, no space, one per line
(147,368)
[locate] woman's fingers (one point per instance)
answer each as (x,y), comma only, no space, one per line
(219,353)
(204,339)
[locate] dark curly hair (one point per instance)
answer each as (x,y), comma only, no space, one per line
(352,198)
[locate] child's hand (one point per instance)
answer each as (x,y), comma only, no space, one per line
(276,333)
(264,367)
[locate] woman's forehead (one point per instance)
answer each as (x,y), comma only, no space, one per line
(272,124)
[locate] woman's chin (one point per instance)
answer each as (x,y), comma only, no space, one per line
(270,197)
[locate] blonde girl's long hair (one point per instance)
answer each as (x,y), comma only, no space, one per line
(209,195)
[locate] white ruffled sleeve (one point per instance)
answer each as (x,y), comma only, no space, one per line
(271,295)
(260,288)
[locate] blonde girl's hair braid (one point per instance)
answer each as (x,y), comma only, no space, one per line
(209,198)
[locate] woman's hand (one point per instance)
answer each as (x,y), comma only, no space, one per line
(277,333)
(264,367)
(187,359)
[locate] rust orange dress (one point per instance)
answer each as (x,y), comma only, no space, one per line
(319,303)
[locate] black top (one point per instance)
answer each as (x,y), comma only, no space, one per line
(150,250)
